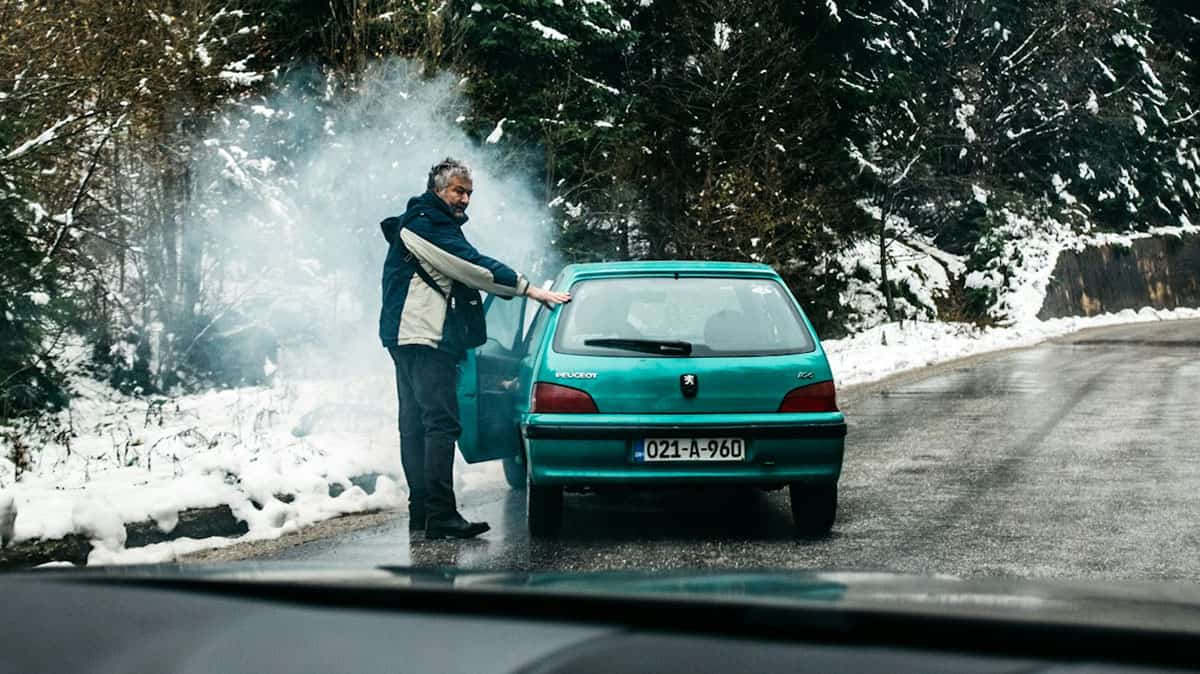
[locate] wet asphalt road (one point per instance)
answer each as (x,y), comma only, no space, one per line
(1078,458)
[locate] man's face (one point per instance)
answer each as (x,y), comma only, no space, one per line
(457,195)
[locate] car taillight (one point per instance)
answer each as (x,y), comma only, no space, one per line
(553,398)
(812,398)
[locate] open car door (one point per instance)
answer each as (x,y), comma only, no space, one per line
(488,387)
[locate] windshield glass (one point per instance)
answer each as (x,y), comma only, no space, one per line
(715,316)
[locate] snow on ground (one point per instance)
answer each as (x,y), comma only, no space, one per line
(137,460)
(895,347)
(1031,249)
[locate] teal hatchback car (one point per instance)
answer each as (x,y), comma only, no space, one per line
(656,373)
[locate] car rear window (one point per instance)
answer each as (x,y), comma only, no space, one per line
(715,316)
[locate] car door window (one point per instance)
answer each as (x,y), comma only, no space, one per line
(504,318)
(536,319)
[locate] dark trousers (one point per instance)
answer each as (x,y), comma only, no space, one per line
(426,384)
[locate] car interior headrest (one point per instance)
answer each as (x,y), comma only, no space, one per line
(723,328)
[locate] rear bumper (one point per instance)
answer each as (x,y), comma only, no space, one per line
(572,450)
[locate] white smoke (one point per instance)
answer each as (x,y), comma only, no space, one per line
(293,187)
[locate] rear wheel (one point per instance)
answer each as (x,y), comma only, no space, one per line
(514,473)
(814,507)
(544,512)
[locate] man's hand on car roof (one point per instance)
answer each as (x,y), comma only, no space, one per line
(548,298)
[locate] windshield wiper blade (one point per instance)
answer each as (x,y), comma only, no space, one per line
(644,345)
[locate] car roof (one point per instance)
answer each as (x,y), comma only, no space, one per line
(574,272)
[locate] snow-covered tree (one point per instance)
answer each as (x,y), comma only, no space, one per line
(549,94)
(977,114)
(109,105)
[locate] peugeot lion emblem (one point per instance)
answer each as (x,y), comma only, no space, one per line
(689,384)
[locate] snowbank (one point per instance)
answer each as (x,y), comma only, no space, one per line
(279,457)
(895,347)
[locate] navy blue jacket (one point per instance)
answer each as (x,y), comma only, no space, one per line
(428,234)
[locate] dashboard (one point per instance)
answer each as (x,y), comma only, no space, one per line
(66,624)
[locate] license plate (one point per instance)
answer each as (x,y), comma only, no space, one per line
(652,450)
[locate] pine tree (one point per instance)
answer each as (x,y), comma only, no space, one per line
(548,89)
(30,313)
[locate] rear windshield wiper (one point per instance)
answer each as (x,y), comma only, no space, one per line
(644,345)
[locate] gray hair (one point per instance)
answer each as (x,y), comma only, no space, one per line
(441,173)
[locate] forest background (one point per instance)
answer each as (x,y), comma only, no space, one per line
(189,186)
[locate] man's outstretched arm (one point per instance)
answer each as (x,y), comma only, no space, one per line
(458,259)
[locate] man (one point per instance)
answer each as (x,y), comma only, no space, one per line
(412,325)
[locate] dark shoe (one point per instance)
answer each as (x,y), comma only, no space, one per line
(455,529)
